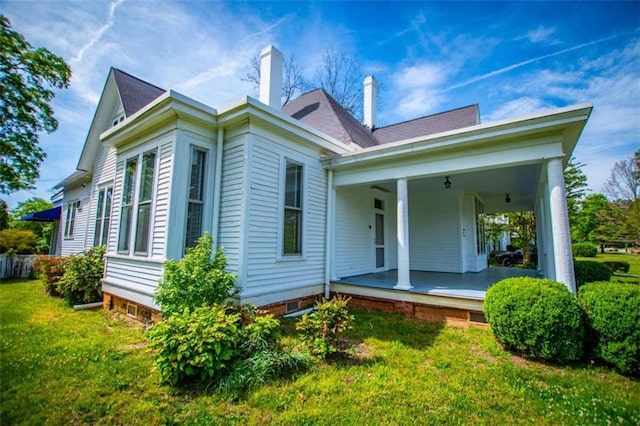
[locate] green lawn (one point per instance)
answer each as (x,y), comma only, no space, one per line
(634,265)
(58,366)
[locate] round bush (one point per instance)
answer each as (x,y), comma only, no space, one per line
(590,271)
(613,324)
(537,318)
(584,250)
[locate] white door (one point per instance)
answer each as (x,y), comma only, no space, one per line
(379,236)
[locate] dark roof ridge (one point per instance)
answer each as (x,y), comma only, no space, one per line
(137,78)
(430,115)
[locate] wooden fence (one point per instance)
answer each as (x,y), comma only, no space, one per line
(16,266)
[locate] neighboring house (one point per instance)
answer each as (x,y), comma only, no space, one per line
(305,196)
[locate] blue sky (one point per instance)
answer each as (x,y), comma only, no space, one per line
(511,58)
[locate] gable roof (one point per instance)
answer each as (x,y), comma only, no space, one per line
(134,93)
(429,125)
(319,110)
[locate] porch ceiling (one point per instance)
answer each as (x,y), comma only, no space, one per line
(520,182)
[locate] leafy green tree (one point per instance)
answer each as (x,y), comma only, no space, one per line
(27,77)
(575,182)
(589,224)
(4,215)
(42,230)
(523,226)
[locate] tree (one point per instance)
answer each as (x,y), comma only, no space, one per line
(292,81)
(589,224)
(523,225)
(41,230)
(624,182)
(27,77)
(575,182)
(4,215)
(341,77)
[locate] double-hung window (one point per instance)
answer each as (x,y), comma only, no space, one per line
(195,203)
(103,216)
(293,209)
(135,216)
(70,218)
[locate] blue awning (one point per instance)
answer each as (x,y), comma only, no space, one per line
(44,216)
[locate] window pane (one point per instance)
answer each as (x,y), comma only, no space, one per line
(129,181)
(292,241)
(379,257)
(125,229)
(146,181)
(142,228)
(194,224)
(96,233)
(105,232)
(293,186)
(379,229)
(196,181)
(108,199)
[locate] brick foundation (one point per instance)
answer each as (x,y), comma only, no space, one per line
(420,311)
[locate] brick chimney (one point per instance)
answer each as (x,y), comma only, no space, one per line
(271,60)
(370,101)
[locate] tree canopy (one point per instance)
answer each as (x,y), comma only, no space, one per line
(28,76)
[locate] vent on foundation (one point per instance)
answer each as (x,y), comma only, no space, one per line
(477,317)
(132,310)
(293,306)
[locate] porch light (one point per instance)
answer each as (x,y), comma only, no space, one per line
(507,199)
(447,182)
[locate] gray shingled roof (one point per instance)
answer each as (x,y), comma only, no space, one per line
(135,93)
(320,111)
(429,125)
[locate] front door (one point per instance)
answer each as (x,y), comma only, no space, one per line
(380,252)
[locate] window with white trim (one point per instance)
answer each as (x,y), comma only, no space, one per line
(103,216)
(70,218)
(293,209)
(195,202)
(135,216)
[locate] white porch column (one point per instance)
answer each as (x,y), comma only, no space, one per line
(404,276)
(560,225)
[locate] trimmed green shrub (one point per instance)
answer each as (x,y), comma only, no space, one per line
(50,269)
(584,250)
(619,267)
(613,324)
(538,318)
(198,345)
(590,271)
(320,330)
(195,280)
(17,241)
(81,280)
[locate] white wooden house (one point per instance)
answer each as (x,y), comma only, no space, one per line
(306,200)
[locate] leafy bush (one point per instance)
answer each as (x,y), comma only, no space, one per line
(613,323)
(537,318)
(195,280)
(320,331)
(19,241)
(199,344)
(584,250)
(620,267)
(81,280)
(589,271)
(50,270)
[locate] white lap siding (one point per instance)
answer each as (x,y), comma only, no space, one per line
(434,242)
(80,239)
(270,277)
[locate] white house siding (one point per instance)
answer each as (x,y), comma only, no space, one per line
(354,251)
(231,201)
(434,239)
(135,277)
(80,239)
(267,272)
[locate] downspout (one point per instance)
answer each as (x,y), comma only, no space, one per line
(217,188)
(329,235)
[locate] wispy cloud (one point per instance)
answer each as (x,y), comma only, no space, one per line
(539,34)
(98,34)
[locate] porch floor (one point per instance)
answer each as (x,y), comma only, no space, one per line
(470,285)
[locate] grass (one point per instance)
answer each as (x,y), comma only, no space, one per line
(634,265)
(58,366)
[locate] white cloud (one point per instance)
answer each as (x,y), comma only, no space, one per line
(417,87)
(539,34)
(516,108)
